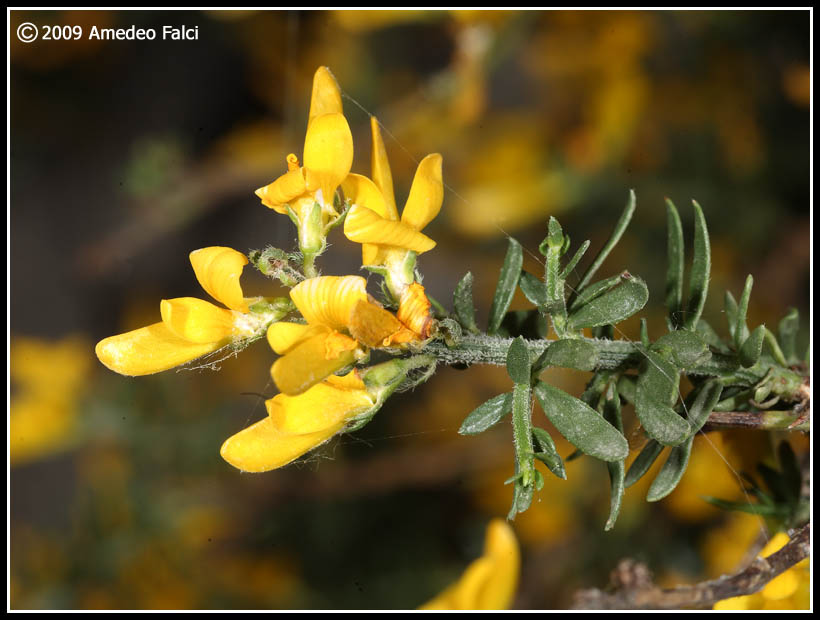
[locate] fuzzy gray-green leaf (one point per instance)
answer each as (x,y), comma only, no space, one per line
(671,472)
(548,453)
(657,389)
(463,303)
(612,414)
(595,290)
(534,290)
(507,282)
(701,268)
(487,414)
(751,348)
(613,306)
(741,329)
(570,353)
(706,396)
(518,361)
(787,333)
(643,462)
(617,233)
(730,309)
(674,269)
(683,348)
(581,425)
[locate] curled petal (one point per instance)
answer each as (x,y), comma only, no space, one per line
(307,364)
(196,320)
(284,336)
(321,407)
(283,190)
(328,154)
(380,168)
(329,300)
(148,350)
(363,192)
(262,447)
(218,270)
(326,97)
(372,325)
(364,226)
(426,194)
(414,310)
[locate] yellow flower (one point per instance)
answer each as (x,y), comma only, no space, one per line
(373,220)
(789,590)
(306,192)
(491,581)
(190,327)
(343,321)
(297,424)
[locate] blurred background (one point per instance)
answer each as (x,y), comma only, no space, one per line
(127,155)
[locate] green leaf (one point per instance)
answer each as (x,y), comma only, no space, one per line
(487,414)
(580,424)
(750,350)
(730,308)
(612,414)
(674,270)
(507,282)
(522,498)
(574,260)
(741,330)
(703,400)
(787,333)
(683,348)
(710,337)
(701,268)
(617,233)
(522,432)
(534,290)
(754,509)
(569,353)
(657,389)
(548,454)
(627,384)
(463,303)
(645,341)
(671,472)
(518,361)
(643,462)
(613,306)
(595,290)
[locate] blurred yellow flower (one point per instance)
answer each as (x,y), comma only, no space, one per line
(298,424)
(47,380)
(789,590)
(190,327)
(343,321)
(373,220)
(491,581)
(306,192)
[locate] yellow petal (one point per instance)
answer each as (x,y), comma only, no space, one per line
(321,407)
(283,190)
(306,365)
(328,154)
(262,447)
(196,320)
(363,192)
(736,603)
(372,325)
(365,226)
(326,97)
(328,300)
(148,350)
(218,270)
(414,310)
(350,381)
(426,194)
(782,586)
(381,169)
(284,336)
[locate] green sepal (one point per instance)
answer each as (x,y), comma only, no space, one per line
(518,361)
(787,334)
(674,269)
(463,303)
(701,268)
(613,306)
(569,353)
(548,454)
(580,424)
(643,462)
(751,348)
(554,239)
(486,414)
(507,282)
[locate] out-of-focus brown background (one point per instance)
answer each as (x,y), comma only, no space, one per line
(127,155)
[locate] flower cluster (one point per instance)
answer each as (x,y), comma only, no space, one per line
(322,375)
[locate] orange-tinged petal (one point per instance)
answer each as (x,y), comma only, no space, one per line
(321,407)
(326,97)
(363,192)
(380,167)
(365,226)
(196,320)
(426,194)
(306,365)
(148,350)
(218,270)
(328,300)
(328,154)
(284,336)
(336,344)
(283,190)
(414,310)
(262,447)
(372,325)
(350,381)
